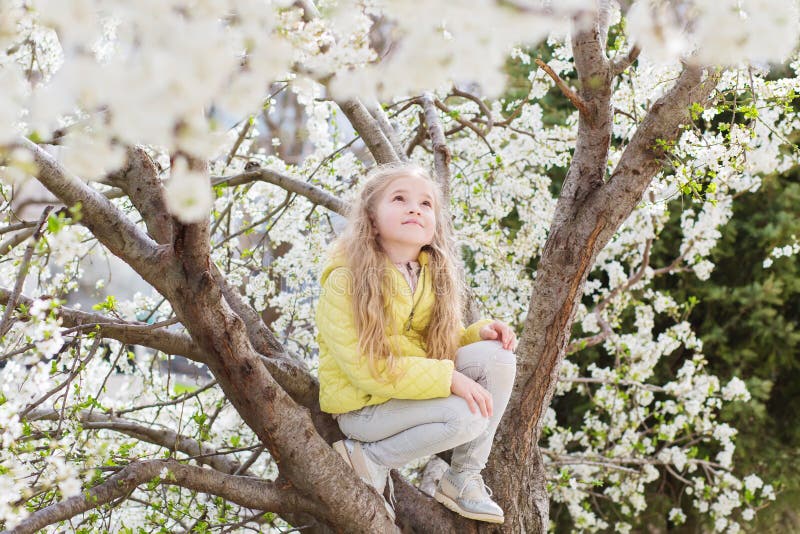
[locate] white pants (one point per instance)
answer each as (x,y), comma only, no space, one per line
(400,430)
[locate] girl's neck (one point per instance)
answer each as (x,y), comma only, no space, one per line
(402,256)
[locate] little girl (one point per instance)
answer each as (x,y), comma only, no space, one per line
(401,374)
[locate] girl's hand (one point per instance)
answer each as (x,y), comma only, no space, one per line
(500,330)
(476,395)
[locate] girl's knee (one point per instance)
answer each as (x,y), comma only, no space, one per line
(467,424)
(503,369)
(504,356)
(484,352)
(496,354)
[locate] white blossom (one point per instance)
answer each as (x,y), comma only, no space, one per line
(188,193)
(735,390)
(677,516)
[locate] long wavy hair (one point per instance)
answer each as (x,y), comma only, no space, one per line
(367,263)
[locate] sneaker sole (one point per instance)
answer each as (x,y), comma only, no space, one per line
(340,447)
(449,503)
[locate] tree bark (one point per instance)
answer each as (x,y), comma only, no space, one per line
(590,209)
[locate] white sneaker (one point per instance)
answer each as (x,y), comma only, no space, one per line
(370,472)
(465,493)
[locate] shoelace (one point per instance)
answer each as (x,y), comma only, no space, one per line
(477,478)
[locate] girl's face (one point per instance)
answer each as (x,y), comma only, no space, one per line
(405,217)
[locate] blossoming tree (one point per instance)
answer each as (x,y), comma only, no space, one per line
(122,113)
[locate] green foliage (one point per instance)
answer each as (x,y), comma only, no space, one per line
(180,388)
(109,304)
(747,317)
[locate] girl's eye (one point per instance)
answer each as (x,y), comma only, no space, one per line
(398,196)
(427,203)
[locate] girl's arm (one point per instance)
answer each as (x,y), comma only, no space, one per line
(421,378)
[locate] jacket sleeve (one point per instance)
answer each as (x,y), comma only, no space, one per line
(471,333)
(421,378)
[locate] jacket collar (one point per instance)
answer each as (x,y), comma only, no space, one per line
(339,261)
(422,259)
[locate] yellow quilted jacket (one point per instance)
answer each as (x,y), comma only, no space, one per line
(345,381)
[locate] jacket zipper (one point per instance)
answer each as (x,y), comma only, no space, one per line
(414,304)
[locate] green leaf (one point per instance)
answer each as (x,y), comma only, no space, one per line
(109,304)
(55,223)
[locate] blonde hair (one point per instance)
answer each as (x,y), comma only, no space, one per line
(366,261)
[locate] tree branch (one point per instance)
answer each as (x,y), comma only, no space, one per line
(419,136)
(313,193)
(467,123)
(370,131)
(598,309)
(292,375)
(283,426)
(99,215)
(441,154)
(644,154)
(6,322)
(603,21)
(163,437)
(571,95)
(630,383)
(14,240)
(481,105)
(129,333)
(622,62)
(391,135)
(139,180)
(249,492)
(18,226)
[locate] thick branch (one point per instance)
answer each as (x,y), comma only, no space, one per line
(249,492)
(129,333)
(305,189)
(283,426)
(590,210)
(603,21)
(141,183)
(292,374)
(370,131)
(591,62)
(441,154)
(416,512)
(391,135)
(99,215)
(661,126)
